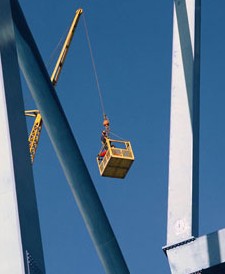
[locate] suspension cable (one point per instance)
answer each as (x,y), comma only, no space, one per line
(119,137)
(94,67)
(56,49)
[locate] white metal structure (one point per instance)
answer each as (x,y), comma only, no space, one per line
(186,251)
(184,124)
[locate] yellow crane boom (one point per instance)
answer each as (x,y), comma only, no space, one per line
(37,126)
(64,51)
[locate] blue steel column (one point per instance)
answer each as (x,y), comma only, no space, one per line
(66,148)
(183,191)
(20,240)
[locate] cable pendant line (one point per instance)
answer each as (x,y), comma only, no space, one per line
(94,67)
(119,137)
(56,49)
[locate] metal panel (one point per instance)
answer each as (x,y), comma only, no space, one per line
(204,253)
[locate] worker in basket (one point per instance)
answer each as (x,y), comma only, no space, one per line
(104,136)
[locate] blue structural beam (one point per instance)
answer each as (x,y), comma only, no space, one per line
(66,147)
(20,238)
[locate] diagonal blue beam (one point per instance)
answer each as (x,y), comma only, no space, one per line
(66,147)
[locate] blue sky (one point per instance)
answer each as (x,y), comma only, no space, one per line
(132,45)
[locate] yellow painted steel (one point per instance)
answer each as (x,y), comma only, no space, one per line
(37,126)
(117,160)
(35,132)
(64,51)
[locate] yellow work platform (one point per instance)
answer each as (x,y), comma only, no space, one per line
(117,160)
